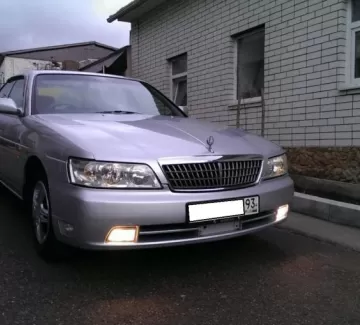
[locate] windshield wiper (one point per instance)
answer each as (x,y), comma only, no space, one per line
(117,112)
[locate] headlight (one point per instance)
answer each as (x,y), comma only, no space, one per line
(111,175)
(276,166)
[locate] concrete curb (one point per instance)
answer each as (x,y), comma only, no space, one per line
(322,230)
(334,211)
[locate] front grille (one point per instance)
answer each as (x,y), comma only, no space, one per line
(212,175)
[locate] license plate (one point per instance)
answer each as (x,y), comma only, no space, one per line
(223,209)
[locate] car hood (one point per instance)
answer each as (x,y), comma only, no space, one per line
(115,137)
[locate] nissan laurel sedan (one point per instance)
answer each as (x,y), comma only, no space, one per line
(106,162)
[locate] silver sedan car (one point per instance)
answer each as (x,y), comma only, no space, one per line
(106,162)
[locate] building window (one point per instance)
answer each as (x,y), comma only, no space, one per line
(354,42)
(250,65)
(179,80)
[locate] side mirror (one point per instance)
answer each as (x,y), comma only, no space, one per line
(184,109)
(8,106)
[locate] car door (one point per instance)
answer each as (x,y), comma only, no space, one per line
(14,154)
(4,93)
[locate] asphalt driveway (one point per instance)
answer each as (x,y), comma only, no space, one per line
(273,278)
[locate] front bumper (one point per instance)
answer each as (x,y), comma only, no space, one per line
(160,214)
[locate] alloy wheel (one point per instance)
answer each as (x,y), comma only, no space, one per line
(40,212)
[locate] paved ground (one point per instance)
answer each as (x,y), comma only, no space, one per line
(274,278)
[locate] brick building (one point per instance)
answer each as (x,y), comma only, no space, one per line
(302,55)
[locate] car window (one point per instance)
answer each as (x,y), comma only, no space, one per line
(17,93)
(4,92)
(67,93)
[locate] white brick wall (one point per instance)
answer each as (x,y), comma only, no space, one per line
(304,64)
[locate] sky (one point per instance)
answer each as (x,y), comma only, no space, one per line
(36,23)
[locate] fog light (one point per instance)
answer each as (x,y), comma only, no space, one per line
(66,229)
(282,212)
(122,234)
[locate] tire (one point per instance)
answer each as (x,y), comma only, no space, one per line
(46,244)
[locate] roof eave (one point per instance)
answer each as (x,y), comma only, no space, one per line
(122,17)
(134,10)
(117,53)
(124,11)
(57,47)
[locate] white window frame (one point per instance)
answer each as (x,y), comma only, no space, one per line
(173,77)
(251,100)
(352,28)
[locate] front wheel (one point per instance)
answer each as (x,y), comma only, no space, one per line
(46,244)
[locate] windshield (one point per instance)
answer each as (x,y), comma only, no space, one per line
(75,93)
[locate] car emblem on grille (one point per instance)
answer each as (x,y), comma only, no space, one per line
(210,141)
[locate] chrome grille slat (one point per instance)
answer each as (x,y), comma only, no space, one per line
(173,232)
(212,175)
(255,219)
(166,231)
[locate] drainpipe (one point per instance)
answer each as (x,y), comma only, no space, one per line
(262,113)
(238,94)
